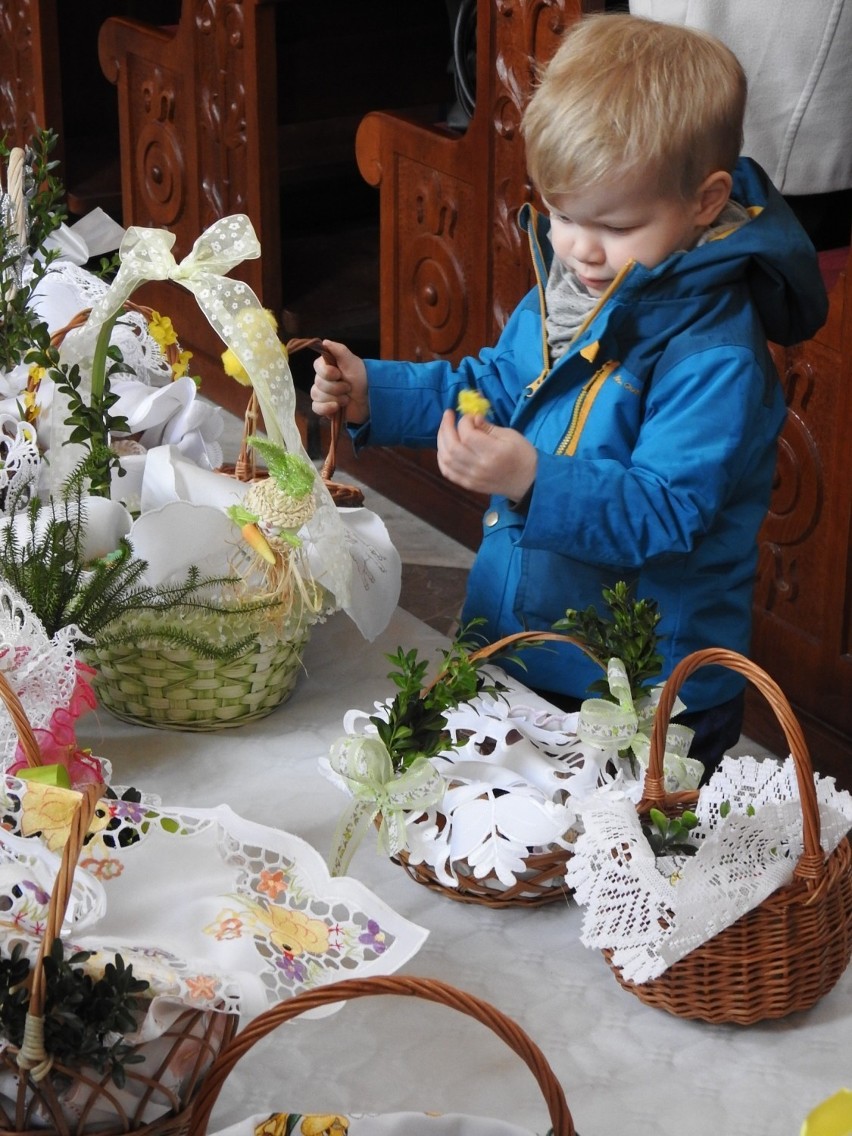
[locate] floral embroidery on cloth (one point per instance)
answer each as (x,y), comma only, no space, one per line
(259,920)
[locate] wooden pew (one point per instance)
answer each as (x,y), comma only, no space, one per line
(803,602)
(252,106)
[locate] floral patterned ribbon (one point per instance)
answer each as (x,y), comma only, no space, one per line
(366,768)
(613,727)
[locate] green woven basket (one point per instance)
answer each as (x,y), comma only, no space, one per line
(156,684)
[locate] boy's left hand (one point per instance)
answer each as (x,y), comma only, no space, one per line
(482,457)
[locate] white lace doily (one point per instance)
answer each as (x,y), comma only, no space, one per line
(40,670)
(651,912)
(507,786)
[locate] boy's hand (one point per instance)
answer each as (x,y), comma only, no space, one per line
(482,457)
(342,384)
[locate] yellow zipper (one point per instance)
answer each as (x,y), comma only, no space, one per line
(582,408)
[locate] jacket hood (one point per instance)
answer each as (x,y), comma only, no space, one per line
(771,254)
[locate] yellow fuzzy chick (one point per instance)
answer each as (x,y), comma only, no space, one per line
(231,364)
(472,402)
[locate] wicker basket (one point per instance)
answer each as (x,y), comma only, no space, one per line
(428,989)
(193,1040)
(790,950)
(153,683)
(543,880)
(246,467)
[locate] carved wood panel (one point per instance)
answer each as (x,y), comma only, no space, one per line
(803,599)
(190,150)
(29,69)
(452,257)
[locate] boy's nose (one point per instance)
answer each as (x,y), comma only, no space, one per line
(586,247)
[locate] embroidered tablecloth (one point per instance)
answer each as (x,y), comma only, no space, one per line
(627,1069)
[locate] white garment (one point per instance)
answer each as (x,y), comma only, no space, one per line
(796,55)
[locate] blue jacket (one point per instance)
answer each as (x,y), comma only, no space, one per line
(656,436)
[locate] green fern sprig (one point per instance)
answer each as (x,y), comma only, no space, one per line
(42,558)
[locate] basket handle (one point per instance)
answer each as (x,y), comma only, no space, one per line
(428,989)
(519,638)
(316,344)
(246,464)
(811,866)
(32,1055)
(21,722)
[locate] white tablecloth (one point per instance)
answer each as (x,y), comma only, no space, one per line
(628,1070)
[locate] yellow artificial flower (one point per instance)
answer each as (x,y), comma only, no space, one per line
(181,366)
(246,318)
(831,1118)
(472,402)
(32,409)
(162,330)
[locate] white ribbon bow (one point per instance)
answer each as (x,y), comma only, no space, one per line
(236,315)
(367,770)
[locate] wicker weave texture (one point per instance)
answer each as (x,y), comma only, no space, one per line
(427,989)
(782,957)
(155,684)
(542,881)
(792,949)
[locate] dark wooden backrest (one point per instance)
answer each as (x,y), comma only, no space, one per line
(452,265)
(803,601)
(238,99)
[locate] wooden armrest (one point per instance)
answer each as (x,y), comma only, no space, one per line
(381,134)
(120,37)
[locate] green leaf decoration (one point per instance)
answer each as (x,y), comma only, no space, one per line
(291,473)
(240,515)
(85,1018)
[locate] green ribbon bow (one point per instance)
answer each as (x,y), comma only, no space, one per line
(377,789)
(614,727)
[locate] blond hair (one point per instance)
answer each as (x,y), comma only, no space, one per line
(625,95)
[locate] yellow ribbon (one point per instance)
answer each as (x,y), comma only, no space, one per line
(613,727)
(366,768)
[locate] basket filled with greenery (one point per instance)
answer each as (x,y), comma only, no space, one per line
(202,652)
(189,651)
(474,781)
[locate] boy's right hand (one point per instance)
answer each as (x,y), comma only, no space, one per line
(340,384)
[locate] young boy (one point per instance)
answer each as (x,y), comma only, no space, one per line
(634,404)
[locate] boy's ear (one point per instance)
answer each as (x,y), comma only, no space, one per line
(712,196)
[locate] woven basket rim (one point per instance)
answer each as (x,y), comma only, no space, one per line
(428,989)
